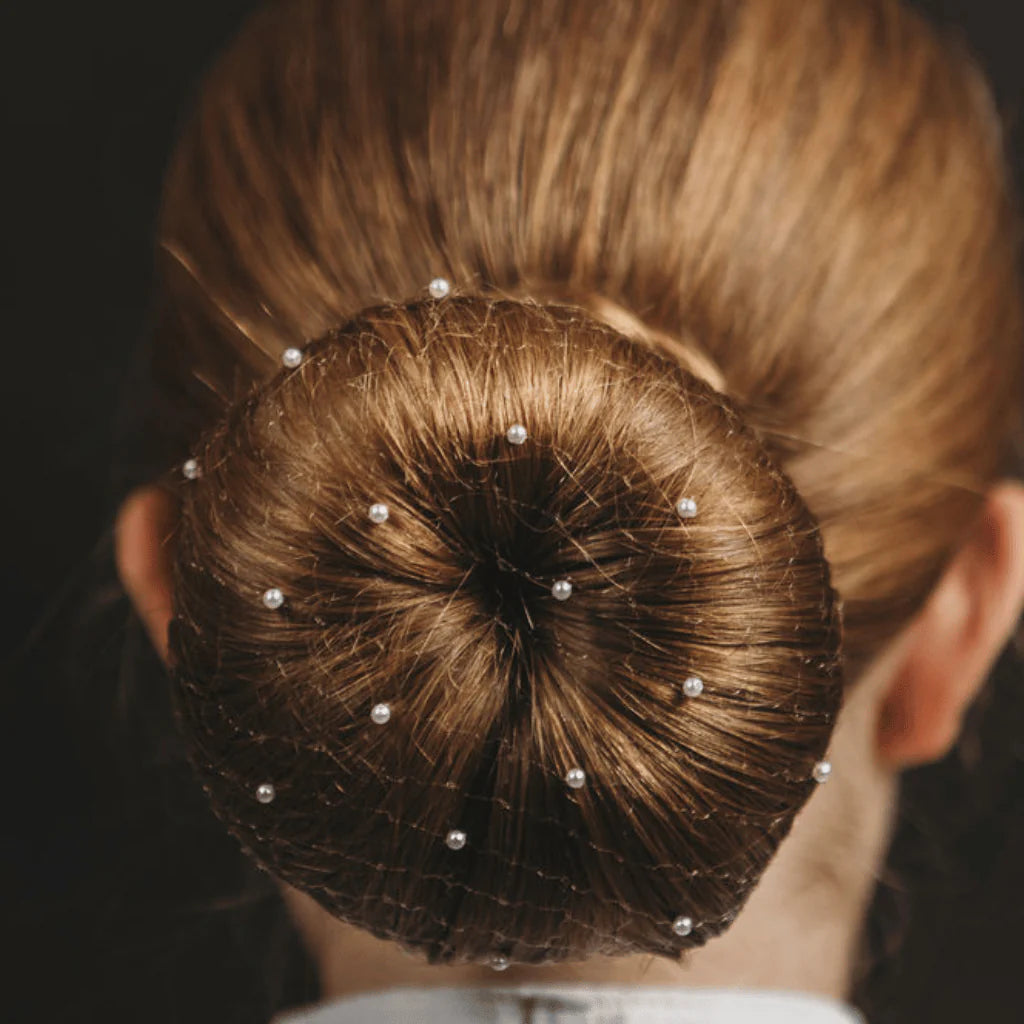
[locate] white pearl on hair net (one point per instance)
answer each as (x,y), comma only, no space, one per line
(381,713)
(516,433)
(561,590)
(439,288)
(273,598)
(575,778)
(265,792)
(191,469)
(822,771)
(378,512)
(686,507)
(693,686)
(456,839)
(682,925)
(291,357)
(499,962)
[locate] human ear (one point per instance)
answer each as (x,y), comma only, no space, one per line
(144,525)
(950,646)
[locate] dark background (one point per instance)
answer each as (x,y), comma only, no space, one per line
(120,898)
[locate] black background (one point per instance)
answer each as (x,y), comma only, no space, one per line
(115,904)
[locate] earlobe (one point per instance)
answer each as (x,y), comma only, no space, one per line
(144,523)
(951,645)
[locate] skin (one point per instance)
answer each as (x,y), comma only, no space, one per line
(800,928)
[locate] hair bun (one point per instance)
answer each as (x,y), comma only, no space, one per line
(547,780)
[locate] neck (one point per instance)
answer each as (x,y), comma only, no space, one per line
(352,962)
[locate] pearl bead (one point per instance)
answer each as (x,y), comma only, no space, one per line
(439,288)
(291,357)
(265,792)
(693,686)
(381,713)
(516,433)
(191,469)
(822,771)
(561,590)
(455,839)
(575,778)
(682,925)
(273,598)
(686,507)
(499,962)
(378,512)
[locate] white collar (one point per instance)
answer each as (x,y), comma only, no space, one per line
(578,1004)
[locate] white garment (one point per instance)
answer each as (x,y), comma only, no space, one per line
(576,1004)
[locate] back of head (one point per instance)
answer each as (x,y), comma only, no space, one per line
(753,255)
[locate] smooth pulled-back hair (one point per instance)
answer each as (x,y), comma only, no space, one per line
(761,254)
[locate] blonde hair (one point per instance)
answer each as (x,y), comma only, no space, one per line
(762,253)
